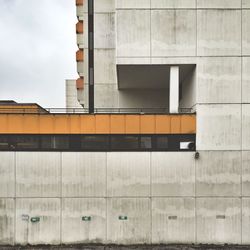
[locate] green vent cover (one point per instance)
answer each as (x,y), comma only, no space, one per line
(86,218)
(123,217)
(34,219)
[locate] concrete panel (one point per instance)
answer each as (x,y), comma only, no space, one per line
(218,173)
(7,214)
(218,127)
(219,80)
(177,35)
(246,32)
(106,96)
(47,230)
(245,80)
(173,220)
(83,174)
(245,221)
(173,4)
(246,173)
(136,229)
(132,4)
(104,32)
(245,4)
(218,220)
(102,6)
(38,174)
(173,174)
(77,230)
(105,66)
(130,60)
(220,4)
(128,174)
(133,33)
(7,174)
(219,32)
(245,126)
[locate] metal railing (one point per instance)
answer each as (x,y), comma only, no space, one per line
(96,111)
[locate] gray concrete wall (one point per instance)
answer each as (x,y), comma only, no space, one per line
(163,197)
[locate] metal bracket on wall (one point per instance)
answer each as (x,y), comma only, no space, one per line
(34,219)
(123,217)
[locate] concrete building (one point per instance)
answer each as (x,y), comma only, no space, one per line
(173,166)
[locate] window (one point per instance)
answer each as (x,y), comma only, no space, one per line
(146,142)
(162,142)
(95,142)
(124,142)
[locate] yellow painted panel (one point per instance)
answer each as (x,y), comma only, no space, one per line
(188,124)
(162,124)
(46,124)
(75,124)
(175,124)
(147,124)
(102,124)
(15,124)
(117,124)
(132,124)
(31,124)
(4,124)
(88,124)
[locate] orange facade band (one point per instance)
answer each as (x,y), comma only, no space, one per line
(97,124)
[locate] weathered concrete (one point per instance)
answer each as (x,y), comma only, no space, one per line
(38,174)
(75,229)
(245,80)
(221,4)
(47,230)
(133,33)
(246,32)
(173,4)
(219,32)
(219,80)
(218,173)
(245,126)
(83,174)
(7,213)
(136,228)
(246,173)
(218,220)
(7,174)
(218,127)
(177,36)
(128,174)
(173,175)
(173,220)
(128,4)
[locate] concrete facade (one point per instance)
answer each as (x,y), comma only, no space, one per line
(152,197)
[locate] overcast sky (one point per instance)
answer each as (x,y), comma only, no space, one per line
(37,50)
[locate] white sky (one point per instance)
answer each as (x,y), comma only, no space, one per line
(37,50)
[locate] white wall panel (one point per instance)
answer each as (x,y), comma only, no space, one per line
(245,4)
(83,174)
(7,174)
(220,4)
(246,126)
(132,4)
(245,80)
(219,32)
(219,80)
(173,32)
(246,173)
(172,4)
(173,220)
(246,32)
(103,6)
(173,174)
(47,230)
(75,229)
(133,33)
(7,215)
(218,127)
(137,228)
(128,174)
(104,32)
(38,174)
(218,220)
(218,173)
(245,221)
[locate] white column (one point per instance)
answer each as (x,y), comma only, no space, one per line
(174,89)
